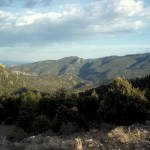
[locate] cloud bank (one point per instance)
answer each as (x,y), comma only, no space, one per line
(95,22)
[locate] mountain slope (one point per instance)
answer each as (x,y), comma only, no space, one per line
(99,70)
(104,69)
(15,81)
(57,67)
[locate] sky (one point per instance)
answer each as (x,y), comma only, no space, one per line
(33,30)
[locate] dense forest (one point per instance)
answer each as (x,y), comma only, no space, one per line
(121,102)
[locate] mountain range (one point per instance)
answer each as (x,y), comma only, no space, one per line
(100,70)
(72,73)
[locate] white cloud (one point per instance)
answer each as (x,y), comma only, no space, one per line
(6,20)
(37,17)
(73,24)
(138,24)
(128,7)
(26,20)
(6,17)
(4,14)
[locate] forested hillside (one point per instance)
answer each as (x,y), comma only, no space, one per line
(16,82)
(101,70)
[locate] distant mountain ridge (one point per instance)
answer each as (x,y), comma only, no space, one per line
(58,67)
(98,70)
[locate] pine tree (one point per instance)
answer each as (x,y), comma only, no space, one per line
(123,104)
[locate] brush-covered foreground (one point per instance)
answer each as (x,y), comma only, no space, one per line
(108,137)
(120,103)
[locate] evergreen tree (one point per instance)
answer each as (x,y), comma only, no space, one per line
(28,113)
(2,113)
(123,104)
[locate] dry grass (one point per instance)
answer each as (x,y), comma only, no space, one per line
(126,135)
(119,138)
(130,137)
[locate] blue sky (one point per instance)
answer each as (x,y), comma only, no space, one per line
(32,30)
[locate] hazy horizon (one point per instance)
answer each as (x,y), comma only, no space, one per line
(9,62)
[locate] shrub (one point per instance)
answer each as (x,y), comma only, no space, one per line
(68,129)
(128,135)
(41,124)
(9,121)
(123,104)
(28,113)
(2,113)
(17,135)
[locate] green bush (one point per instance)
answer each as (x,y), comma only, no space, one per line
(9,121)
(27,114)
(123,104)
(2,113)
(41,124)
(68,129)
(17,135)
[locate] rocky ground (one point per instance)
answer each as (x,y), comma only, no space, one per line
(135,137)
